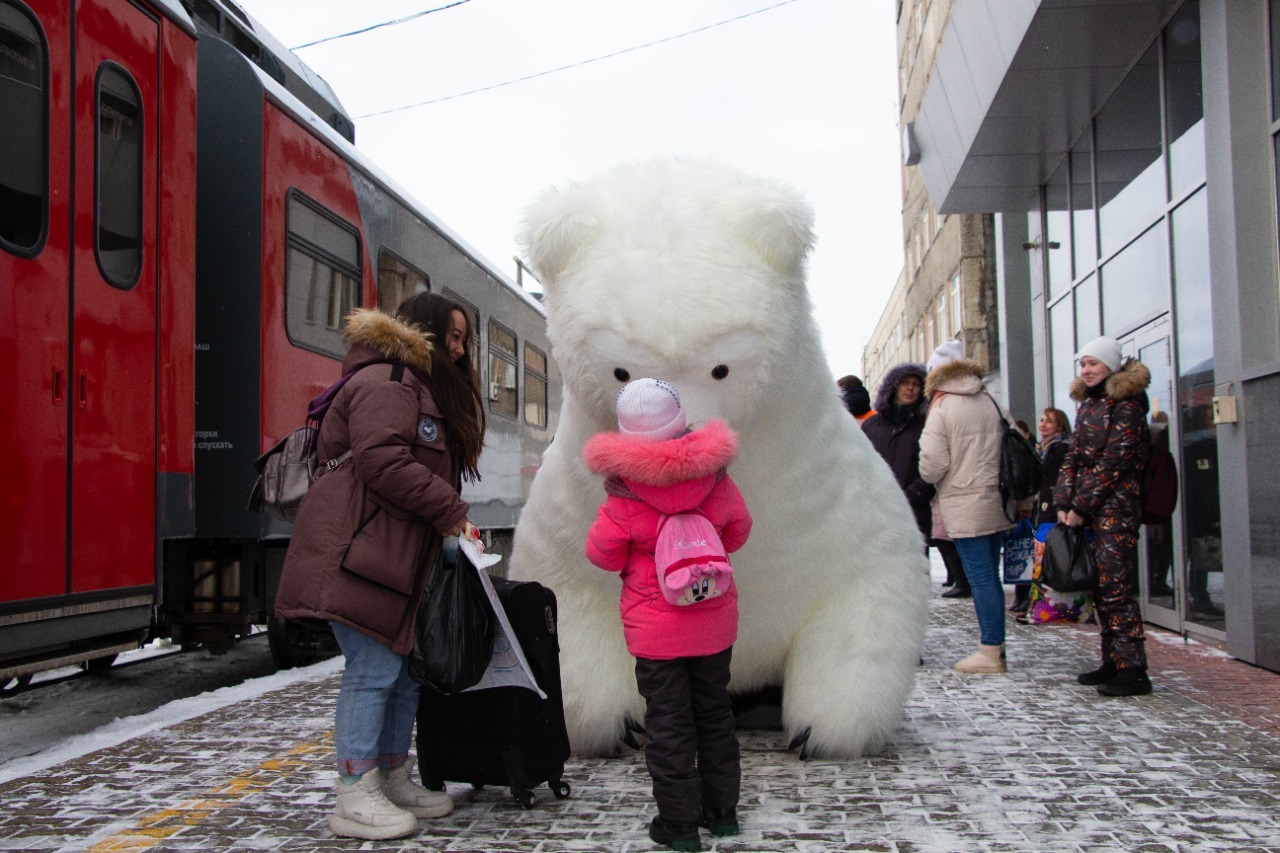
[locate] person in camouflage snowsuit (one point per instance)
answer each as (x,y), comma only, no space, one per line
(1100,486)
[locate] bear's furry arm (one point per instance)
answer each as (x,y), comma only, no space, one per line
(608,541)
(935,452)
(728,512)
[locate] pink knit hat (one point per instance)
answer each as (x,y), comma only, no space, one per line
(650,409)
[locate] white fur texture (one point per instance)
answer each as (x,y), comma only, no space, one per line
(670,269)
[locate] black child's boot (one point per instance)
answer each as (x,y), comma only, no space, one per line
(720,821)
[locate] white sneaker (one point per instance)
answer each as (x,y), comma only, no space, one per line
(363,811)
(408,794)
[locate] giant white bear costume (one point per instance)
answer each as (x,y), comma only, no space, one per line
(694,273)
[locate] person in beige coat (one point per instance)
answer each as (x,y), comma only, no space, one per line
(960,456)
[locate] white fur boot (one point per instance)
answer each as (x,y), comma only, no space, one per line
(363,811)
(409,795)
(987,660)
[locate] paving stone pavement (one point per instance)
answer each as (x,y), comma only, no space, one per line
(1021,762)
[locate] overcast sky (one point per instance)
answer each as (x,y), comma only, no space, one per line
(801,90)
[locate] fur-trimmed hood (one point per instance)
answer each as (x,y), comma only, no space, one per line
(700,453)
(1128,383)
(386,338)
(962,376)
(889,382)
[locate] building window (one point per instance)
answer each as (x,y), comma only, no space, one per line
(503,392)
(397,281)
(119,179)
(1184,101)
(957,319)
(24,101)
(322,275)
(535,386)
(1130,165)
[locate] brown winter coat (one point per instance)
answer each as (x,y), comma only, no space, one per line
(367,532)
(960,450)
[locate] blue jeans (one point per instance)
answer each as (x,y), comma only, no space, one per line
(377,704)
(981,558)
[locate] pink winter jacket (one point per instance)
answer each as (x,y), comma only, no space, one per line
(644,481)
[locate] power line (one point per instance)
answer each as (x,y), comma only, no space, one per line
(378,26)
(575,64)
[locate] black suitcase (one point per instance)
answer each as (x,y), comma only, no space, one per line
(503,735)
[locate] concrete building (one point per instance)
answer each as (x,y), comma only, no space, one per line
(1125,153)
(948,287)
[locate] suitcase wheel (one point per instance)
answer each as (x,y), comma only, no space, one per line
(559,788)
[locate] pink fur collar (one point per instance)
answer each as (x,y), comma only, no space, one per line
(660,463)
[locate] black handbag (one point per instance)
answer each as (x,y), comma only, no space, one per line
(453,637)
(1068,564)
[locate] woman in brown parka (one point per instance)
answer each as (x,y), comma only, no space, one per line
(368,531)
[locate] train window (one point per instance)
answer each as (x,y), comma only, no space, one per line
(243,42)
(322,275)
(24,102)
(397,281)
(209,13)
(502,370)
(535,386)
(119,193)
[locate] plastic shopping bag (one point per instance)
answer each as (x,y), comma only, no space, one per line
(453,637)
(1067,565)
(1019,556)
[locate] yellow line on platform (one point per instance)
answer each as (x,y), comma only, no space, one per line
(157,826)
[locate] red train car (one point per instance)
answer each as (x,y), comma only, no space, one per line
(174,282)
(97,278)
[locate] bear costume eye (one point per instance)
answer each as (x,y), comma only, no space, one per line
(720,371)
(620,374)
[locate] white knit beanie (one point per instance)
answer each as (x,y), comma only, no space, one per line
(650,409)
(1105,350)
(947,352)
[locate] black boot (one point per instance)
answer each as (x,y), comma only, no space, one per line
(677,836)
(1101,675)
(720,821)
(958,591)
(1127,682)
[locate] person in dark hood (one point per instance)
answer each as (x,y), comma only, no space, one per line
(894,430)
(856,398)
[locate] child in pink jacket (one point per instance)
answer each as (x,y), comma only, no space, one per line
(655,467)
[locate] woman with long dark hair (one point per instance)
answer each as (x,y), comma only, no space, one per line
(368,532)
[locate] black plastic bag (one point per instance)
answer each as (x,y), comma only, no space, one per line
(453,638)
(1067,564)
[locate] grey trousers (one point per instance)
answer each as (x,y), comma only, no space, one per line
(692,748)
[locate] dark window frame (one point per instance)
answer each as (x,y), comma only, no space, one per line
(37,246)
(384,252)
(110,277)
(542,376)
(317,253)
(512,358)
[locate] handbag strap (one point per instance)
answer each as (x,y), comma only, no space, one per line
(999,411)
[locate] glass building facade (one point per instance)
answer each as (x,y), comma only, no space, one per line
(1135,186)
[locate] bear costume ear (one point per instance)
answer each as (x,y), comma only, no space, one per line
(555,227)
(772,219)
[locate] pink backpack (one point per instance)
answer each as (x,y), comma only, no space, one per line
(690,559)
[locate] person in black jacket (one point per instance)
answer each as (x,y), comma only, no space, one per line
(895,430)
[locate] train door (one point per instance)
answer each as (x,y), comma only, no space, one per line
(35,169)
(113,314)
